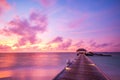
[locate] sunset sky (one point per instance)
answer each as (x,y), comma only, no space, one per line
(59,25)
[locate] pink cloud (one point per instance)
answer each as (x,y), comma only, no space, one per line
(27,29)
(5,32)
(117,45)
(4,47)
(38,18)
(4,5)
(57,40)
(99,45)
(79,44)
(47,3)
(61,43)
(65,45)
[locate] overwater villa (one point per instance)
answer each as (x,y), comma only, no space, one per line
(84,51)
(81,51)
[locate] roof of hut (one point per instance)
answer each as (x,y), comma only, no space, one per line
(81,49)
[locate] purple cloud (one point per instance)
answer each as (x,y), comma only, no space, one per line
(117,45)
(65,45)
(61,43)
(79,44)
(101,45)
(57,40)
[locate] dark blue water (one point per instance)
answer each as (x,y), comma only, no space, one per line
(45,66)
(109,65)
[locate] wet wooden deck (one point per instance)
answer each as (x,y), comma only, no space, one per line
(82,68)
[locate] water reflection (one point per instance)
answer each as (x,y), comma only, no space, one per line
(25,66)
(34,74)
(7,60)
(5,74)
(46,60)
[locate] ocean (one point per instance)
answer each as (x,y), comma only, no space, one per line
(109,65)
(45,66)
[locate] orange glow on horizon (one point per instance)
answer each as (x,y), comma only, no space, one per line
(4,74)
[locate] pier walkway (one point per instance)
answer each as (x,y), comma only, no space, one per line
(82,68)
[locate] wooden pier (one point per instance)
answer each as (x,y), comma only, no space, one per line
(82,68)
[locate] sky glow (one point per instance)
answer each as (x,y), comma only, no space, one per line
(59,25)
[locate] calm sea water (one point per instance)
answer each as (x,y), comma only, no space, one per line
(45,66)
(109,65)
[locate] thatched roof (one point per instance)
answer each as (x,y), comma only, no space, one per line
(81,49)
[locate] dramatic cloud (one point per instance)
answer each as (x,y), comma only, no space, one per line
(27,30)
(47,3)
(4,5)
